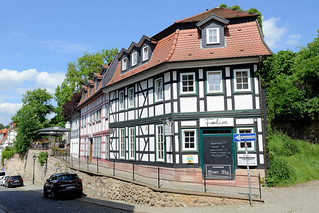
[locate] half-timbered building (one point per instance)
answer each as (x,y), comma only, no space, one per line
(177,98)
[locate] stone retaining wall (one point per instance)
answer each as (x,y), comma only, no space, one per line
(109,188)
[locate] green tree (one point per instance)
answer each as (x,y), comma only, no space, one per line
(78,73)
(31,117)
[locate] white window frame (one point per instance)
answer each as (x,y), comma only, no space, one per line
(184,140)
(248,80)
(122,150)
(208,30)
(159,93)
(131,138)
(145,53)
(130,93)
(134,58)
(208,84)
(160,143)
(181,83)
(121,100)
(253,143)
(124,64)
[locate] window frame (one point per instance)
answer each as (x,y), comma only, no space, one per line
(122,150)
(157,137)
(181,83)
(248,80)
(124,63)
(184,149)
(217,35)
(221,82)
(134,58)
(253,143)
(129,102)
(131,138)
(156,96)
(121,102)
(145,56)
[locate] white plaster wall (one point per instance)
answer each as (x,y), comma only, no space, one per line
(243,102)
(215,103)
(188,104)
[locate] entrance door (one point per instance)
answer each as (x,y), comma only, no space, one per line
(91,149)
(217,153)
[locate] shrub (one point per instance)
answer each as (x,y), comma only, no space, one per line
(42,158)
(279,172)
(7,153)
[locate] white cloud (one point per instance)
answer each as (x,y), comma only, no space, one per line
(9,108)
(293,39)
(64,47)
(273,33)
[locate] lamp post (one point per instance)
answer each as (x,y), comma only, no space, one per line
(34,157)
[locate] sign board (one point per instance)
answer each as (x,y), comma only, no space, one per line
(218,171)
(190,159)
(216,122)
(168,130)
(245,137)
(242,160)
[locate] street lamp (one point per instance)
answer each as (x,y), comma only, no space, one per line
(34,157)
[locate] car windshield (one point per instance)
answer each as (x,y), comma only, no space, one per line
(2,173)
(68,177)
(16,177)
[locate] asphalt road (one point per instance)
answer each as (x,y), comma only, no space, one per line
(20,200)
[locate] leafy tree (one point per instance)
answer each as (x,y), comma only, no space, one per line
(31,117)
(2,126)
(78,73)
(70,106)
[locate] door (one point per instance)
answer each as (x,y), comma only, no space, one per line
(217,153)
(91,149)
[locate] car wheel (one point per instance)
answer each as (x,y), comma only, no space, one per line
(45,194)
(53,195)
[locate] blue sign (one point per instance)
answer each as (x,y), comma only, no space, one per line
(245,137)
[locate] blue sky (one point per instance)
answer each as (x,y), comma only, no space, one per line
(38,38)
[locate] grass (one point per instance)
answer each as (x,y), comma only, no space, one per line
(291,161)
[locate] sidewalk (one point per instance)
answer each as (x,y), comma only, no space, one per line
(224,191)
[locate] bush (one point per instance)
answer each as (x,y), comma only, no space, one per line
(42,158)
(280,172)
(7,153)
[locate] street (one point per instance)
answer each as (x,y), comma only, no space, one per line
(21,200)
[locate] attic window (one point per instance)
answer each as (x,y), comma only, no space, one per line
(134,58)
(124,64)
(212,35)
(145,53)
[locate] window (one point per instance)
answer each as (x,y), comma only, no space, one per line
(131,97)
(214,81)
(250,144)
(242,80)
(187,85)
(160,143)
(145,53)
(158,89)
(121,100)
(212,35)
(97,147)
(124,64)
(134,58)
(189,137)
(132,143)
(122,143)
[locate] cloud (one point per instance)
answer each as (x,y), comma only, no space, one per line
(273,33)
(64,47)
(9,108)
(293,39)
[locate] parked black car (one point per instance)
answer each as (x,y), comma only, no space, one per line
(15,180)
(63,184)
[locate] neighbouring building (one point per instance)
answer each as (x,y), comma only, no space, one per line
(75,135)
(176,99)
(7,137)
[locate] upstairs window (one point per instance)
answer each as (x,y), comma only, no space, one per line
(242,80)
(145,53)
(121,100)
(124,64)
(187,85)
(214,81)
(130,97)
(134,58)
(159,89)
(212,35)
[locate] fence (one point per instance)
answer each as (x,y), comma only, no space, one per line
(168,178)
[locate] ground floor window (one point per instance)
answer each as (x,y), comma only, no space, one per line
(97,147)
(131,143)
(160,143)
(189,140)
(250,144)
(122,143)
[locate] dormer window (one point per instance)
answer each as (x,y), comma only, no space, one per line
(212,35)
(145,53)
(124,63)
(134,58)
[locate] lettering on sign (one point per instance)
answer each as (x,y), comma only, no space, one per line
(214,122)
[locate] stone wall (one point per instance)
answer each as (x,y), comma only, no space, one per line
(103,187)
